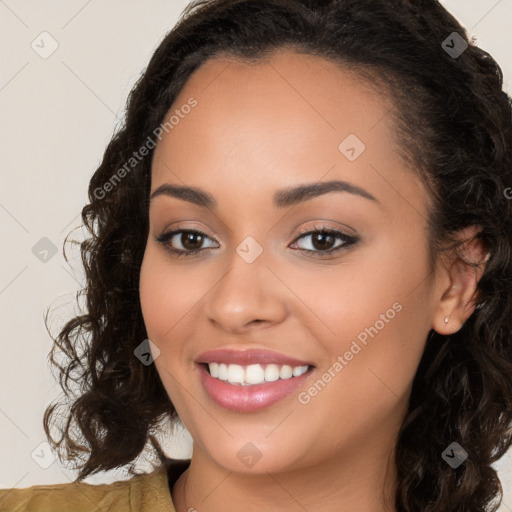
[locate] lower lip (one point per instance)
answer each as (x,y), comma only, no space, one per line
(249,398)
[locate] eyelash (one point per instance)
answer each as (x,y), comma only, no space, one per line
(164,239)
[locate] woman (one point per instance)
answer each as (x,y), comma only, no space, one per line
(300,248)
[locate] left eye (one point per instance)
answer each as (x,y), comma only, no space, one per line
(322,240)
(191,241)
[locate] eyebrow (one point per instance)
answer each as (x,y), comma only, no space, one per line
(282,198)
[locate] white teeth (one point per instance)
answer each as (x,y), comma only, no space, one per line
(254,373)
(236,374)
(286,372)
(214,369)
(271,372)
(223,372)
(299,370)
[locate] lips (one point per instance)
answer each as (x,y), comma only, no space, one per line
(245,399)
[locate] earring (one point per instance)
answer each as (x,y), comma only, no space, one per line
(446,318)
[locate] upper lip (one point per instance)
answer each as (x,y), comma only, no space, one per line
(248,356)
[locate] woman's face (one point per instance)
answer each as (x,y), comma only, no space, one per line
(358,315)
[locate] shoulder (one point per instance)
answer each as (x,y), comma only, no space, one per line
(147,492)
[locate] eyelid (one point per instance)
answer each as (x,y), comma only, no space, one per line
(323,226)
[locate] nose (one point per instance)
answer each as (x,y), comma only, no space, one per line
(247,296)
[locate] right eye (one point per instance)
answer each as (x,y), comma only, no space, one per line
(190,241)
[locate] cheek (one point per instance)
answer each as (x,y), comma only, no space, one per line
(372,310)
(170,297)
(166,296)
(166,293)
(365,285)
(154,300)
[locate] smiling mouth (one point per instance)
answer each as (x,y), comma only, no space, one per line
(253,374)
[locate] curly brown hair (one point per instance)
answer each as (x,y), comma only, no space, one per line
(454,122)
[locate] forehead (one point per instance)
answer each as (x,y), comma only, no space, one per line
(275,123)
(286,94)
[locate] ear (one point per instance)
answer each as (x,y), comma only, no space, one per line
(458,281)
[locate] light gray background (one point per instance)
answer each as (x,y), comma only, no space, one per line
(58,113)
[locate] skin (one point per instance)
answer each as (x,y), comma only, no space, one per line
(258,129)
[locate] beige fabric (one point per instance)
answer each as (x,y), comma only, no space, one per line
(141,493)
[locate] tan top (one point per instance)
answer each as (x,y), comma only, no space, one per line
(142,493)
